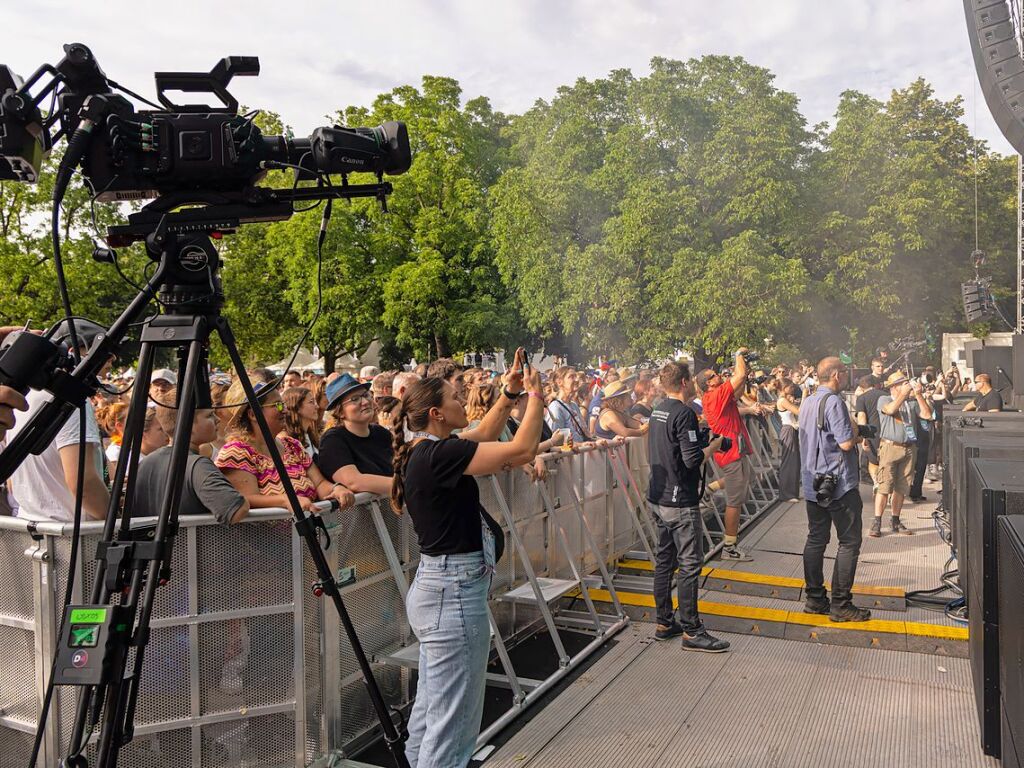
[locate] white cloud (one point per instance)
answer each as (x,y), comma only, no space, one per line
(317,57)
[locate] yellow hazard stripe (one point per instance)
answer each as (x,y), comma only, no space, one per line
(748,577)
(913,628)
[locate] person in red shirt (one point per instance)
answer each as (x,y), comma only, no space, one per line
(724,415)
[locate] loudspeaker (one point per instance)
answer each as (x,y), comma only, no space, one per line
(998,62)
(1010,557)
(997,362)
(968,436)
(995,489)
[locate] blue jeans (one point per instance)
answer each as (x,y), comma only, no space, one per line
(447,610)
(680,545)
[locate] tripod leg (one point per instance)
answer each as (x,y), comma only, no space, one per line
(126,466)
(394,739)
(122,693)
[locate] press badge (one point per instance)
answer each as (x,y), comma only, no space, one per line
(692,435)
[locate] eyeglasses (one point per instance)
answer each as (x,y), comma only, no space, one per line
(364,395)
(278,406)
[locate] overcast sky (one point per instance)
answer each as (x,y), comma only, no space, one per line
(319,56)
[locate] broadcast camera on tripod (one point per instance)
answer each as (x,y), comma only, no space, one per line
(210,160)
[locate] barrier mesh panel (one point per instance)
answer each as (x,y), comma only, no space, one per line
(15,748)
(259,742)
(244,566)
(246,663)
(164,689)
(18,698)
(15,576)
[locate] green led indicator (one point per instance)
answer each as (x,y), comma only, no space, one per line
(85,637)
(88,615)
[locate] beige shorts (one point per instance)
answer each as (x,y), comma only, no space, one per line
(736,479)
(895,468)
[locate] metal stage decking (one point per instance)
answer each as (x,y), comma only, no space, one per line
(767,704)
(893,692)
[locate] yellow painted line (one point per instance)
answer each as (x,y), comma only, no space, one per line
(756,578)
(913,628)
(749,577)
(937,631)
(646,565)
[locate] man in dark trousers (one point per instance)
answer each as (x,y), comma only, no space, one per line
(828,442)
(677,460)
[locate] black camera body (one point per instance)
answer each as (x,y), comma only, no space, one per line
(825,485)
(866,431)
(194,151)
(750,357)
(705,436)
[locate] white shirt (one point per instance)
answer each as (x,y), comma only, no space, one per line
(38,484)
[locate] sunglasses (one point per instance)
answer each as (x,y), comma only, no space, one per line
(278,406)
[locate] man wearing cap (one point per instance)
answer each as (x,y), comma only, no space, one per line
(161,382)
(44,485)
(367,372)
(897,412)
(722,412)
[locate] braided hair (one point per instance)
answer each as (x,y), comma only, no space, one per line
(414,412)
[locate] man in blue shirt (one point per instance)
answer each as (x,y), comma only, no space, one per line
(828,442)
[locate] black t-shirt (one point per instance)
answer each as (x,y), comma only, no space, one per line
(867,403)
(444,503)
(641,410)
(675,455)
(371,454)
(993,401)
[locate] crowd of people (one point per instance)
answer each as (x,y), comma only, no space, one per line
(419,437)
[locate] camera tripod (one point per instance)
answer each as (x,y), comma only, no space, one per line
(93,648)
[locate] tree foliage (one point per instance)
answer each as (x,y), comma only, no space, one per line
(691,207)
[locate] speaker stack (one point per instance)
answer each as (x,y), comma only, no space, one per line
(995,490)
(1010,549)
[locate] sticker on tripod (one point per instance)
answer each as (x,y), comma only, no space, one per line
(79,659)
(193,258)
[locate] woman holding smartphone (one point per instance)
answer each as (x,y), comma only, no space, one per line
(459,546)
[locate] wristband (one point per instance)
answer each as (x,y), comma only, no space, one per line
(510,395)
(538,395)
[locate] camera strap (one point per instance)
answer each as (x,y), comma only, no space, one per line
(821,428)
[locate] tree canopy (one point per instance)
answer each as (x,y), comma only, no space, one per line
(692,207)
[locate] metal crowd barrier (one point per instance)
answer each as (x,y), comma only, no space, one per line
(246,667)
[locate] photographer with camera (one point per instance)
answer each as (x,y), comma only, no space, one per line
(720,407)
(678,449)
(899,438)
(830,478)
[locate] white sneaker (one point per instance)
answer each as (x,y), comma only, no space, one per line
(733,555)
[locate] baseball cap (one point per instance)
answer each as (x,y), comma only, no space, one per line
(164,374)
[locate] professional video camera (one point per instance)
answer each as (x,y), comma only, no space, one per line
(202,165)
(186,149)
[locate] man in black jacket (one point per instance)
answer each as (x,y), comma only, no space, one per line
(676,459)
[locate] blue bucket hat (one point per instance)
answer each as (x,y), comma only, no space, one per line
(340,387)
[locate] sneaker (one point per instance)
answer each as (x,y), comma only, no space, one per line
(848,612)
(823,606)
(705,643)
(918,499)
(900,528)
(733,555)
(662,632)
(876,528)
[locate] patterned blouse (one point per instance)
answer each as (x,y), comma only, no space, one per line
(238,454)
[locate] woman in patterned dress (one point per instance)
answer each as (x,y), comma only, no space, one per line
(245,462)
